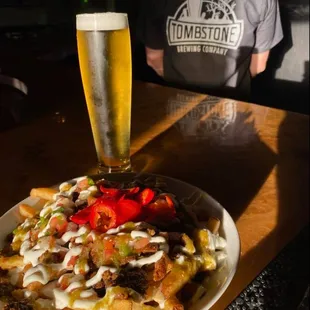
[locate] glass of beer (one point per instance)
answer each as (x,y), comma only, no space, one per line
(104,50)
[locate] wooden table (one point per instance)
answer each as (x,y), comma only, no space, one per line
(252,159)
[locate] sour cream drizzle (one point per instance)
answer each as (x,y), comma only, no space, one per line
(146,260)
(98,277)
(161,240)
(36,274)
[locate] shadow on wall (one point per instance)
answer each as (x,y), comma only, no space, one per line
(285,83)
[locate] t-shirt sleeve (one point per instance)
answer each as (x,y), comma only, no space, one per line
(151,23)
(269,31)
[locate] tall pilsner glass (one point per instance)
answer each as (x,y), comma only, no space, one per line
(105,62)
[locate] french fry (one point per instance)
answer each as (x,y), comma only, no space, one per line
(173,304)
(202,243)
(43,193)
(189,244)
(176,279)
(7,263)
(121,305)
(27,211)
(213,225)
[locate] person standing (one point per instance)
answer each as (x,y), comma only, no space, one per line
(212,45)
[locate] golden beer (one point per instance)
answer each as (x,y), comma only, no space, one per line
(105,62)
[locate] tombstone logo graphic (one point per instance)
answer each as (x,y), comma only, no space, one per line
(205,22)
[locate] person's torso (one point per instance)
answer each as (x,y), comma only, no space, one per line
(209,43)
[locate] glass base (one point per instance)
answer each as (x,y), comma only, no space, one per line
(115,169)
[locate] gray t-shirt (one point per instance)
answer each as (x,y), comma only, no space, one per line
(209,43)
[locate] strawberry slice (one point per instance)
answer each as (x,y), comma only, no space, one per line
(81,217)
(146,196)
(127,211)
(103,215)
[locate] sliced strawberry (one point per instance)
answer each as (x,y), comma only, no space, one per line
(103,215)
(81,217)
(146,196)
(127,211)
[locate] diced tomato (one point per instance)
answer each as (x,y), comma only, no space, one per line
(109,249)
(103,215)
(72,261)
(141,243)
(83,184)
(59,223)
(146,196)
(64,283)
(81,217)
(127,210)
(34,233)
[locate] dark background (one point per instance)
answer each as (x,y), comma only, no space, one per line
(283,85)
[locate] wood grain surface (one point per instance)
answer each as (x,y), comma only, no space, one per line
(252,159)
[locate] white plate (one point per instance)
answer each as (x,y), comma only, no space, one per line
(219,280)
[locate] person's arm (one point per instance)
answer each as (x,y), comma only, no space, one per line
(151,31)
(155,59)
(268,34)
(259,63)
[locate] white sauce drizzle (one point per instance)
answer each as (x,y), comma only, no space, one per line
(97,278)
(73,286)
(92,235)
(73,234)
(78,269)
(159,239)
(36,274)
(32,255)
(84,304)
(115,231)
(88,293)
(75,251)
(63,298)
(119,229)
(180,260)
(147,260)
(216,242)
(139,234)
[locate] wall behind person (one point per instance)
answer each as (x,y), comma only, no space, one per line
(285,83)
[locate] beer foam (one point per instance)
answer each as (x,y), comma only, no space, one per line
(101,21)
